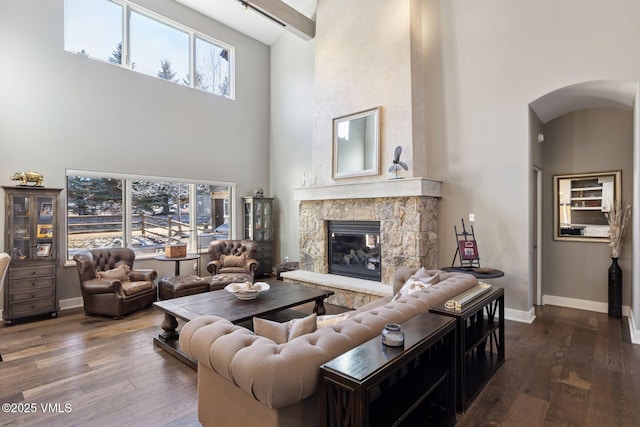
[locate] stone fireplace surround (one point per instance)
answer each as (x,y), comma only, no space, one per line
(408,213)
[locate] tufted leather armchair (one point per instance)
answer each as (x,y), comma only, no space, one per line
(110,296)
(232,247)
(225,268)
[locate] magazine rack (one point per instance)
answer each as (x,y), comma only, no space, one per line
(466,248)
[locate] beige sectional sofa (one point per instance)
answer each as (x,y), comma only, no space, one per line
(248,380)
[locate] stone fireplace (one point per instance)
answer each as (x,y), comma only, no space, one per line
(407,211)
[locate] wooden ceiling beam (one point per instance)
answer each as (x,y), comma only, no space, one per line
(284,15)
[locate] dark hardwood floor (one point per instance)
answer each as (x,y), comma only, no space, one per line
(570,367)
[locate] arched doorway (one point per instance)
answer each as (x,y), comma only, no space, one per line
(580,105)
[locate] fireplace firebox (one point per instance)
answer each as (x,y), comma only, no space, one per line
(354,249)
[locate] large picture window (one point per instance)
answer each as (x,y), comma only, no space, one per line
(123,33)
(144,214)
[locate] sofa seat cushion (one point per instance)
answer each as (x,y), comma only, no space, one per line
(132,288)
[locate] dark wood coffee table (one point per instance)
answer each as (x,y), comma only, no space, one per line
(279,297)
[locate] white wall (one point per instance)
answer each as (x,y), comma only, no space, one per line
(485,62)
(60,110)
(292,77)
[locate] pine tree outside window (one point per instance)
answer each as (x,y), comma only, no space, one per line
(125,34)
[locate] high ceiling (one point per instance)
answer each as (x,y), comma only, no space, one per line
(233,14)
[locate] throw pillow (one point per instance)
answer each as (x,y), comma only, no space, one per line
(330,319)
(118,273)
(422,272)
(122,264)
(281,333)
(416,285)
(233,260)
(299,327)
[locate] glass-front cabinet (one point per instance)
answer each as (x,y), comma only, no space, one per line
(31,239)
(258,226)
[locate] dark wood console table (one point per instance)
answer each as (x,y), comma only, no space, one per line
(480,342)
(373,384)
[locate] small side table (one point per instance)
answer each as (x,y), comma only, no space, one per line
(480,342)
(177,260)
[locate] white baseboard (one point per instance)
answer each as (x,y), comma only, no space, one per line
(520,316)
(581,304)
(66,304)
(635,333)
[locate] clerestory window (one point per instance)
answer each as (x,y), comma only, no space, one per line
(122,33)
(145,213)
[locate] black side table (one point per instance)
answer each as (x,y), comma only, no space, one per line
(373,384)
(178,259)
(480,342)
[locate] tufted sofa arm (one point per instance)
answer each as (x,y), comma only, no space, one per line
(279,375)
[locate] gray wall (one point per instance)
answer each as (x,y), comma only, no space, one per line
(60,110)
(595,140)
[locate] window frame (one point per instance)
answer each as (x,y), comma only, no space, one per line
(128,7)
(127,204)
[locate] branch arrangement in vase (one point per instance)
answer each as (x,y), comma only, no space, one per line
(618,218)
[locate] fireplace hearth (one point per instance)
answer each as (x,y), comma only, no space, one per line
(354,249)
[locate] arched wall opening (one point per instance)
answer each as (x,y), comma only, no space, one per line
(585,127)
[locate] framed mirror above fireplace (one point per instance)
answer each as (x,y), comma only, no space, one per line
(356,144)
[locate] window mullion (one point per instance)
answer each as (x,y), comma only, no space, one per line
(193,220)
(128,216)
(126,13)
(192,59)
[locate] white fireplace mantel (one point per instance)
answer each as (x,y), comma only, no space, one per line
(405,187)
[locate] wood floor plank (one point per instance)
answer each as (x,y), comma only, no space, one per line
(569,367)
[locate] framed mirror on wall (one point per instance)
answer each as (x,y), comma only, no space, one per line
(356,144)
(580,202)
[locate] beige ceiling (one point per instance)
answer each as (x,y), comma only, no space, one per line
(233,14)
(593,94)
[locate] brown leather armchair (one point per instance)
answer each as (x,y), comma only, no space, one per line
(232,261)
(112,296)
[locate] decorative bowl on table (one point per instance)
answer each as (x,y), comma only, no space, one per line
(247,291)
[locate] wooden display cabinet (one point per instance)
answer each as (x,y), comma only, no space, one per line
(258,226)
(31,238)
